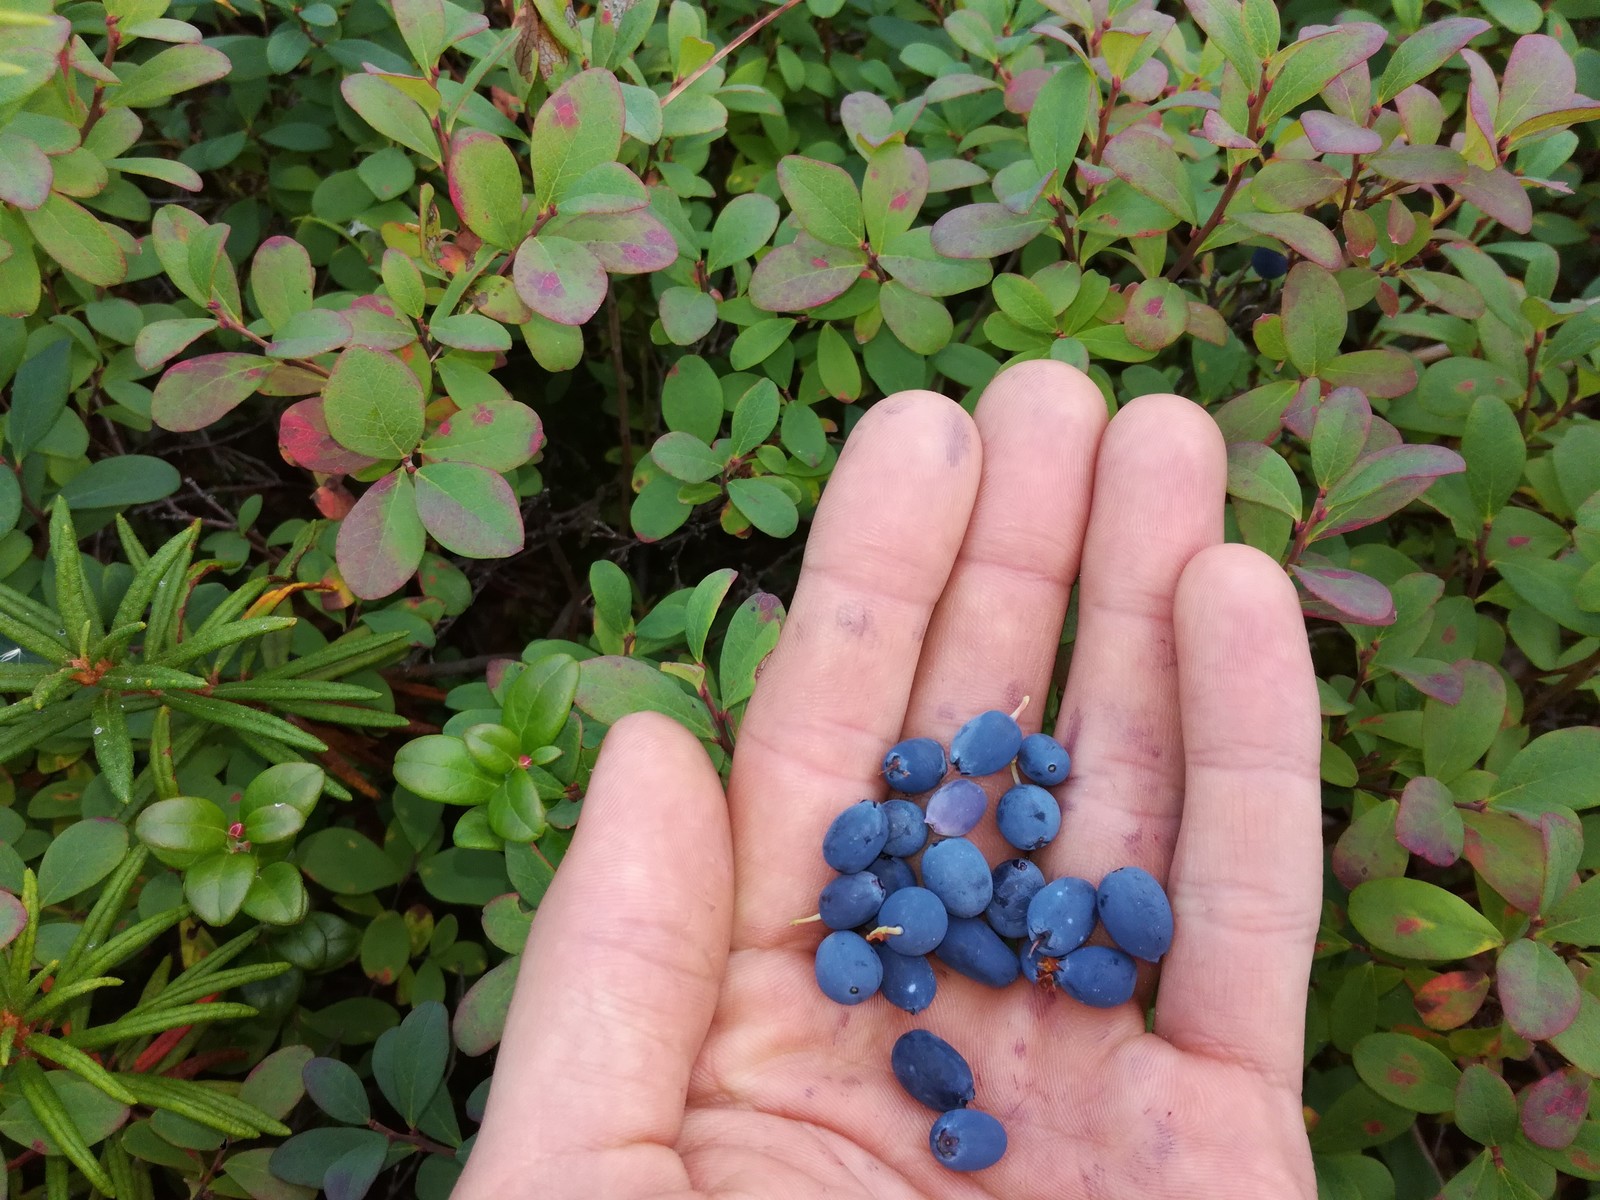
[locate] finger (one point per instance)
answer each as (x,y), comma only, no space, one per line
(1246,880)
(1158,496)
(995,633)
(833,695)
(617,983)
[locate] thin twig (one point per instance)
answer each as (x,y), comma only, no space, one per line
(624,417)
(756,27)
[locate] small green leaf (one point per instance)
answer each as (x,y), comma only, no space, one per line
(686,457)
(1260,474)
(215,886)
(892,191)
(1314,317)
(765,505)
(1407,1071)
(824,200)
(409,1062)
(1059,116)
(281,280)
(391,112)
(79,857)
(758,342)
(71,235)
(373,404)
(687,315)
(745,224)
(498,434)
(486,187)
(1493,446)
(336,1090)
(577,128)
(611,687)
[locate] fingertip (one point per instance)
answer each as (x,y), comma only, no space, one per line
(1178,426)
(1042,388)
(929,432)
(1242,595)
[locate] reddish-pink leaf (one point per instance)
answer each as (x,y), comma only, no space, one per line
(1351,596)
(804,274)
(1428,824)
(1450,1000)
(1385,482)
(1368,848)
(630,243)
(1498,194)
(1537,992)
(1509,853)
(1148,163)
(984,231)
(304,440)
(201,390)
(559,279)
(1539,78)
(1216,130)
(1156,315)
(1554,1108)
(1431,677)
(25,172)
(1307,236)
(486,187)
(13,918)
(1419,164)
(1381,373)
(469,509)
(380,543)
(1330,134)
(378,325)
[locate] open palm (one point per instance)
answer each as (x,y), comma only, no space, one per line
(667,1037)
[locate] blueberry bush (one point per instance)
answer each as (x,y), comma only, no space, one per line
(398,392)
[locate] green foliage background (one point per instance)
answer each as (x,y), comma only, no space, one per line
(398,393)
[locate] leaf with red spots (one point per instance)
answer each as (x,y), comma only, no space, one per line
(1553,1108)
(1509,854)
(1428,824)
(824,199)
(1357,1119)
(1537,992)
(804,274)
(498,434)
(304,440)
(1156,314)
(380,543)
(1345,595)
(631,243)
(198,391)
(1407,1071)
(892,192)
(1411,919)
(469,509)
(559,279)
(1430,677)
(577,128)
(1368,849)
(984,231)
(1450,1000)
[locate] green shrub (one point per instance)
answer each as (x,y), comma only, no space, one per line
(698,241)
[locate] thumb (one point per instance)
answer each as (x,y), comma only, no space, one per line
(617,983)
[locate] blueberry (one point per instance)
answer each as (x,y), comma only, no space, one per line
(848,970)
(985,744)
(893,873)
(908,832)
(919,915)
(955,871)
(1043,760)
(976,951)
(851,900)
(1135,911)
(967,1140)
(856,837)
(1097,976)
(1269,264)
(1037,966)
(915,765)
(1061,915)
(908,981)
(956,808)
(1028,816)
(1015,882)
(931,1070)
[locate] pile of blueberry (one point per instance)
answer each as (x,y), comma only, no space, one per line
(991,924)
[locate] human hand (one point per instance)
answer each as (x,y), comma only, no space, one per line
(667,1038)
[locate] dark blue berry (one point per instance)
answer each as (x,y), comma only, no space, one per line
(956,871)
(1043,760)
(1135,911)
(1061,915)
(915,765)
(893,873)
(856,837)
(851,900)
(975,950)
(967,1140)
(847,967)
(1269,264)
(908,980)
(1097,976)
(908,832)
(1037,966)
(985,744)
(956,808)
(919,915)
(1028,816)
(931,1070)
(1015,882)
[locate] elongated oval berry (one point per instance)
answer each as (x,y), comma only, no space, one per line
(956,808)
(931,1070)
(1038,967)
(1015,882)
(847,967)
(1043,760)
(966,1139)
(893,873)
(856,837)
(915,765)
(975,950)
(985,744)
(921,917)
(1136,913)
(1097,976)
(851,900)
(1269,264)
(955,871)
(908,832)
(1028,816)
(908,980)
(1061,915)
